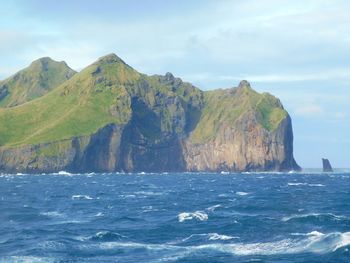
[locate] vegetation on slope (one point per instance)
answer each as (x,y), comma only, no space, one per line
(42,76)
(88,101)
(224,107)
(110,91)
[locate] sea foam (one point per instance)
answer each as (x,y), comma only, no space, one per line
(242,193)
(81,197)
(314,215)
(199,215)
(313,243)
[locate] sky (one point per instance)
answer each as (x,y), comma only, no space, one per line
(297,50)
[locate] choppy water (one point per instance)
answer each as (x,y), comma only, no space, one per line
(175,218)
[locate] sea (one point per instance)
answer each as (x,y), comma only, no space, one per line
(175,217)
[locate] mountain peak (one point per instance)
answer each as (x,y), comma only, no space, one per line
(110,58)
(169,76)
(44,61)
(243,84)
(43,75)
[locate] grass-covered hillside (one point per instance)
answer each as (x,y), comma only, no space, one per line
(110,91)
(42,76)
(225,106)
(80,106)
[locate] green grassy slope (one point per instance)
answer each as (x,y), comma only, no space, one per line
(39,78)
(103,93)
(88,101)
(226,106)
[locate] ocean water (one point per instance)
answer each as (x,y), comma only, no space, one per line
(188,217)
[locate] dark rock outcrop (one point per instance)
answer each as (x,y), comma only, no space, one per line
(327,168)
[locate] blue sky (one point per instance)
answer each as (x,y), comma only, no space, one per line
(296,50)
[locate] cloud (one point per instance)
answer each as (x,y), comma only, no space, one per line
(309,110)
(296,50)
(340,115)
(334,74)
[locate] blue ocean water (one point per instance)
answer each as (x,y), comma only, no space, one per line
(188,217)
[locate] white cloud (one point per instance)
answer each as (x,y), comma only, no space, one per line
(340,115)
(333,74)
(309,110)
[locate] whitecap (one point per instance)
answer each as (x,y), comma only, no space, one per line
(148,193)
(99,214)
(312,233)
(316,243)
(296,184)
(207,237)
(198,215)
(216,236)
(212,208)
(52,214)
(27,259)
(127,196)
(81,197)
(242,193)
(305,184)
(63,173)
(314,215)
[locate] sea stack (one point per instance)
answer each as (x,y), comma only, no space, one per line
(327,168)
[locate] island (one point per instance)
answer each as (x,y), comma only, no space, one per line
(109,117)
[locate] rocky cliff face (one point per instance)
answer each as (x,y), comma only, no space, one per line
(247,146)
(147,123)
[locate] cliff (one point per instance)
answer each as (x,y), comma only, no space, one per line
(109,117)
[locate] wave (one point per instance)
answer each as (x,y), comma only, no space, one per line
(127,196)
(314,215)
(148,193)
(64,173)
(102,236)
(55,214)
(242,193)
(27,259)
(216,236)
(199,215)
(207,237)
(99,214)
(296,184)
(212,208)
(305,184)
(315,243)
(81,197)
(312,233)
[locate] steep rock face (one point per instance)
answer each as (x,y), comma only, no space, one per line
(98,152)
(110,118)
(245,147)
(327,167)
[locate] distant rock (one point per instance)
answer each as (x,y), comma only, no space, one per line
(327,166)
